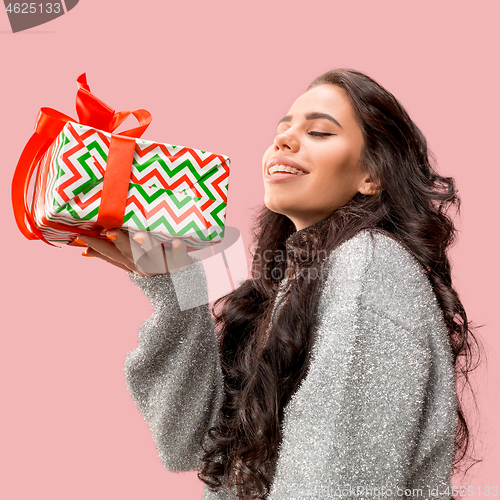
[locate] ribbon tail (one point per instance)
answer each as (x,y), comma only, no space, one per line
(49,124)
(20,182)
(143,117)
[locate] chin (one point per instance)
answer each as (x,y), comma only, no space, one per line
(272,204)
(278,208)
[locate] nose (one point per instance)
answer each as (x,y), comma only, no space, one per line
(286,141)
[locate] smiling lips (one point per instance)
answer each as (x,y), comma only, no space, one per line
(283,168)
(281,165)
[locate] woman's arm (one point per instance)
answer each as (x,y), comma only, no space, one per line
(174,375)
(375,415)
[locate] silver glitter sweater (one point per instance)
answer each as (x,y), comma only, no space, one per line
(374,417)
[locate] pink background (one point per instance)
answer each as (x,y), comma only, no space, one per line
(215,76)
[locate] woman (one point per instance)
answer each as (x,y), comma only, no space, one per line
(331,372)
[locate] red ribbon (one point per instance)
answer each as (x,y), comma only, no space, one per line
(116,181)
(49,124)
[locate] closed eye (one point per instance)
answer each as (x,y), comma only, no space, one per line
(320,134)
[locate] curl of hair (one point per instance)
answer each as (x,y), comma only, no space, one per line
(264,358)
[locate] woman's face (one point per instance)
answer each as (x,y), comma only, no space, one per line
(319,136)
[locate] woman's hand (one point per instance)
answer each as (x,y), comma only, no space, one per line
(142,253)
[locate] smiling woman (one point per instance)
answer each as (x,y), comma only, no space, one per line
(316,143)
(332,370)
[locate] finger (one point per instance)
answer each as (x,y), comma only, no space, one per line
(151,259)
(178,246)
(89,252)
(177,257)
(107,248)
(124,242)
(146,240)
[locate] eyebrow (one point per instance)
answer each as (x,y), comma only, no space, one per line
(312,116)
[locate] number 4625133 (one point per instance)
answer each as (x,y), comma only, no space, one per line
(33,8)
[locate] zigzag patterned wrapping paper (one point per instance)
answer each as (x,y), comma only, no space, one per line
(174,191)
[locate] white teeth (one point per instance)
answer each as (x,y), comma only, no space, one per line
(285,168)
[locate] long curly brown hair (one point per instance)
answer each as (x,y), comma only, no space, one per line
(261,376)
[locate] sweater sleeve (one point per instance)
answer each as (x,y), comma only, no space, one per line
(174,375)
(375,415)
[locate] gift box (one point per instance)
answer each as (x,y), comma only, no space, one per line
(89,179)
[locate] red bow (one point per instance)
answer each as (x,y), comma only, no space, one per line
(91,112)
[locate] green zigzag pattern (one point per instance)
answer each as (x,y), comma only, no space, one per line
(182,166)
(160,193)
(162,221)
(93,181)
